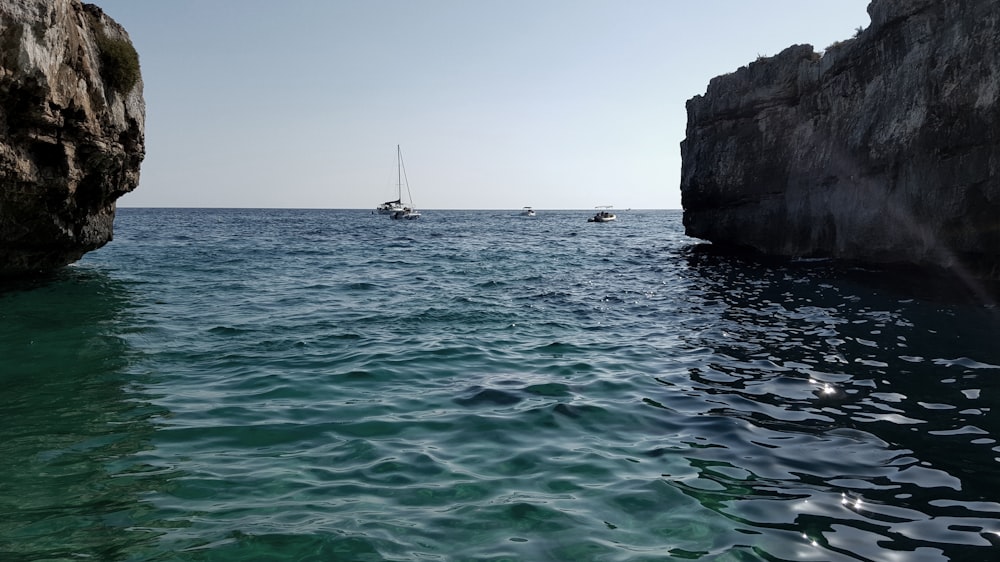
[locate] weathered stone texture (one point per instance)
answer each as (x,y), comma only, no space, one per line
(70,142)
(884,149)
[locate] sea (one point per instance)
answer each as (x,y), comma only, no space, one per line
(332,385)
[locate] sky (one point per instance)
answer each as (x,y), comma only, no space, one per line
(496,104)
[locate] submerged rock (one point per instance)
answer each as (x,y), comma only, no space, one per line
(883,149)
(72,122)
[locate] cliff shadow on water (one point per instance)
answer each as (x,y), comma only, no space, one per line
(927,283)
(73,419)
(887,383)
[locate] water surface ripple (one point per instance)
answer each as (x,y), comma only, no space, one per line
(332,385)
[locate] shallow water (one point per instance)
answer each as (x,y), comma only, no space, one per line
(332,385)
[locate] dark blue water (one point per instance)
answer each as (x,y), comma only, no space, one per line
(332,385)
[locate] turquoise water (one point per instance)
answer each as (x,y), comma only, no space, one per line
(331,385)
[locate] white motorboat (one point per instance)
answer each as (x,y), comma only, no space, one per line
(406,213)
(603,214)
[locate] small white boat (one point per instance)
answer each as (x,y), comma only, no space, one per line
(406,213)
(603,214)
(527,212)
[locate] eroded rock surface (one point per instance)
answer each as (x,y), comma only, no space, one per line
(885,148)
(72,122)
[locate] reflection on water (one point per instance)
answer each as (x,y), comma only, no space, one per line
(71,422)
(868,414)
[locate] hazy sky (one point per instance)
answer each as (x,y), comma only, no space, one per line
(497,104)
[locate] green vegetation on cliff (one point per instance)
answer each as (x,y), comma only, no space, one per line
(119,59)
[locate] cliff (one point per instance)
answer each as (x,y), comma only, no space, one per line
(883,149)
(72,121)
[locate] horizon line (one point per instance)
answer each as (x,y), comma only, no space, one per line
(626,209)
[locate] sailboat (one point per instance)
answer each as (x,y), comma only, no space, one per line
(396,209)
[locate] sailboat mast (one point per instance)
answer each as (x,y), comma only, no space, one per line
(399,178)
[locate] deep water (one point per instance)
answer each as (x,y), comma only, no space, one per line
(221,385)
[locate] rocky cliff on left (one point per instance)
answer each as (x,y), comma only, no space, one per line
(72,122)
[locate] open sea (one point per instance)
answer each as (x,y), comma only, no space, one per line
(312,385)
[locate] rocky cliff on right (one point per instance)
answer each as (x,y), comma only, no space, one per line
(883,149)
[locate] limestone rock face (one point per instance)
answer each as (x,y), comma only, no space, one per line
(72,122)
(884,149)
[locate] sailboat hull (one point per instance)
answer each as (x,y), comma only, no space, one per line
(389,208)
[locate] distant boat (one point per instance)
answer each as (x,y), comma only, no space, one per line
(527,212)
(603,214)
(396,209)
(406,213)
